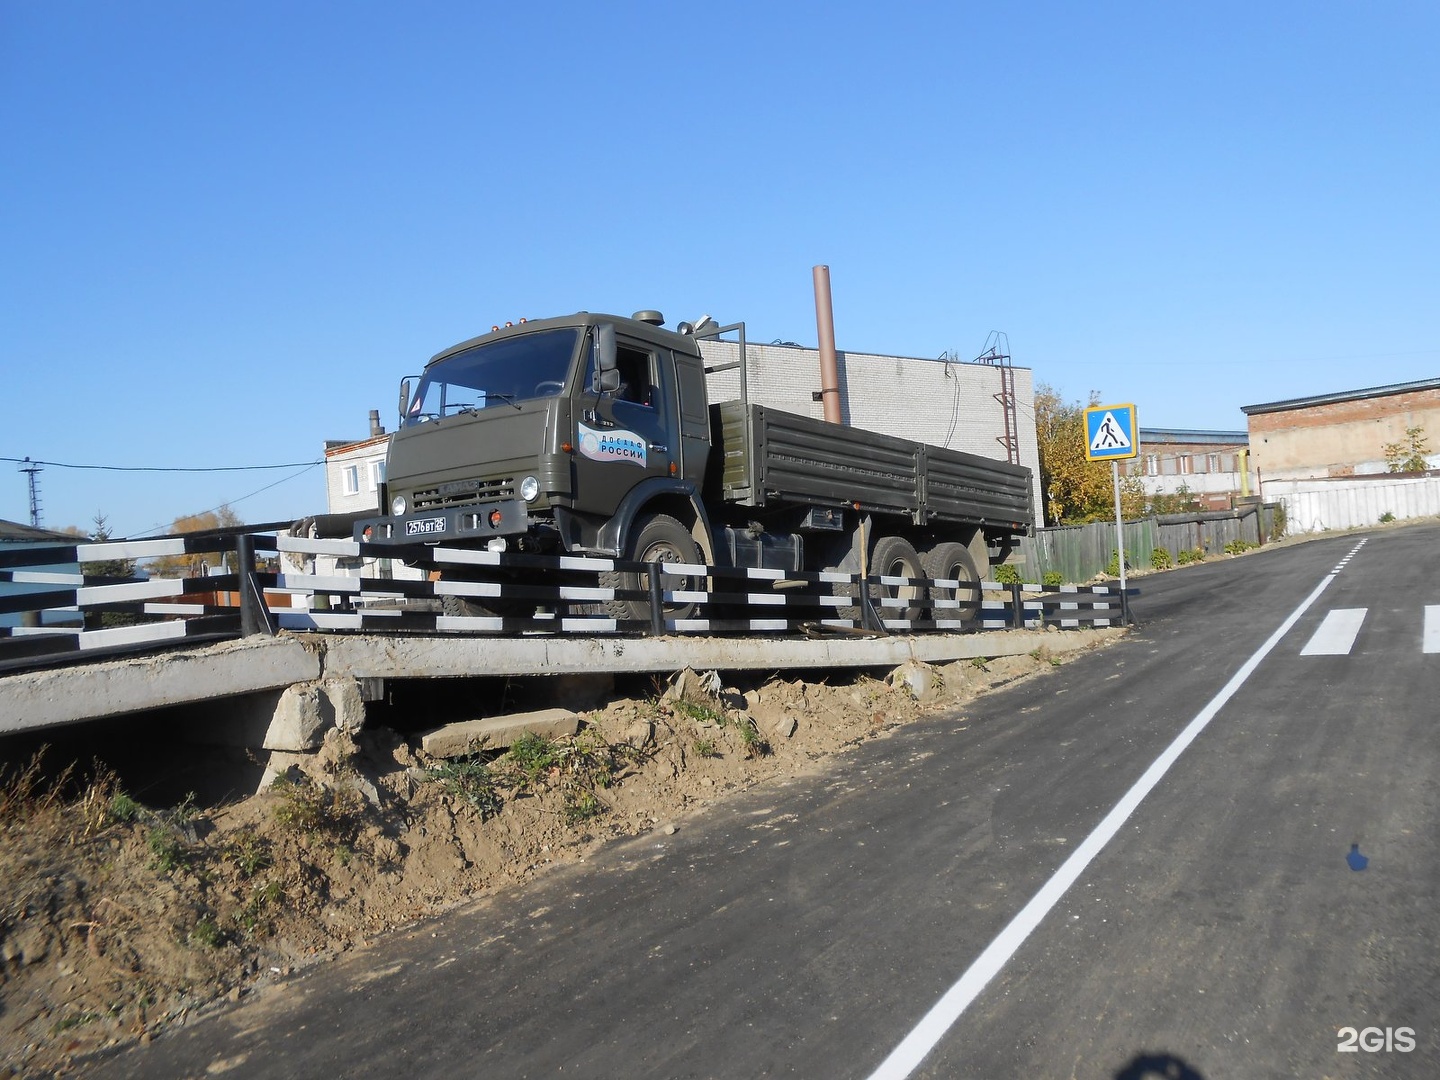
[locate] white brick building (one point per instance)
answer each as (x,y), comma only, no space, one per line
(354,472)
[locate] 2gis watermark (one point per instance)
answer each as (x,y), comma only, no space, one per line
(1375,1040)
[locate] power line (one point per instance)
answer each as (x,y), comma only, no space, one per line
(168,468)
(231,502)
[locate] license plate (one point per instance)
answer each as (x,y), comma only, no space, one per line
(425,526)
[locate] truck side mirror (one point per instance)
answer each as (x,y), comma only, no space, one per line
(607,370)
(404,398)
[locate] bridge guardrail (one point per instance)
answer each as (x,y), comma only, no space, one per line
(268,582)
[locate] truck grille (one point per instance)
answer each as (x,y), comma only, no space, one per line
(462,492)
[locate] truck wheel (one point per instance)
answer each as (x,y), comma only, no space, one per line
(657,538)
(952,562)
(894,556)
(491,609)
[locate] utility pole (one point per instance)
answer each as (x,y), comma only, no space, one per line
(33,468)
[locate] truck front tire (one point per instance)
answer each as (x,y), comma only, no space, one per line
(655,538)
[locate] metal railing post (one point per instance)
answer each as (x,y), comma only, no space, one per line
(254,616)
(657,600)
(1017,614)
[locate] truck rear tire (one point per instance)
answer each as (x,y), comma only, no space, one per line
(894,556)
(950,561)
(656,538)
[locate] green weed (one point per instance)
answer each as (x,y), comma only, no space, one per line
(705,748)
(208,934)
(755,745)
(254,917)
(533,756)
(123,809)
(167,854)
(581,805)
(250,854)
(702,712)
(308,808)
(78,1020)
(469,779)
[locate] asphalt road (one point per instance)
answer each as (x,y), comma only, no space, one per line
(1215,930)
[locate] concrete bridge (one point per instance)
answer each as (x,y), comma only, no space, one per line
(281,693)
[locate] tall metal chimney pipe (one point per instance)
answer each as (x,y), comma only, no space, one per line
(825,328)
(375,428)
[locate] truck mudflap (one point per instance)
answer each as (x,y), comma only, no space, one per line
(478,521)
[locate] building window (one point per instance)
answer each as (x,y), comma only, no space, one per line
(377,473)
(1185,463)
(1152,465)
(1212,463)
(350,480)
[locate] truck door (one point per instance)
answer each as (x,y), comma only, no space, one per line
(626,435)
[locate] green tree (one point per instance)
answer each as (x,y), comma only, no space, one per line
(107,568)
(1410,454)
(1075,488)
(117,569)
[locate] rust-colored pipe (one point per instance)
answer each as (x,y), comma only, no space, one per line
(825,327)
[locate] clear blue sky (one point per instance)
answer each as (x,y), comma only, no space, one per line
(227,229)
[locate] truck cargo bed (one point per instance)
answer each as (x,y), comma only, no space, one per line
(769,456)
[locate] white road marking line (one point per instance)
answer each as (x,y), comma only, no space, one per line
(914,1048)
(1430,639)
(1336,635)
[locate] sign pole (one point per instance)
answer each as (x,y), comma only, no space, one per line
(1111,435)
(1120,538)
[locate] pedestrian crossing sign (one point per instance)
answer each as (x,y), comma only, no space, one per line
(1110,432)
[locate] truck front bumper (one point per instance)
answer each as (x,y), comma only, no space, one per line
(463,524)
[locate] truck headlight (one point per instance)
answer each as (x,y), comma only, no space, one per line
(398,506)
(529,488)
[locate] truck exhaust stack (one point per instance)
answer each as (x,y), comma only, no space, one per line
(825,327)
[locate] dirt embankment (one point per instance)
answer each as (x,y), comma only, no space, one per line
(117,919)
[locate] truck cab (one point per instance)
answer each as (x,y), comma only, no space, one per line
(548,436)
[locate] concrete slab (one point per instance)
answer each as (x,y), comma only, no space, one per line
(41,699)
(497,732)
(418,656)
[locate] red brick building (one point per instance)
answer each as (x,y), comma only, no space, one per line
(1342,434)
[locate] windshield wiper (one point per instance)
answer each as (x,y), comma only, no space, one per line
(509,399)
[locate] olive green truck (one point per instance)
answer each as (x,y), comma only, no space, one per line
(595,434)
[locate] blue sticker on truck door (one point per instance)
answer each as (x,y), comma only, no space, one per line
(624,446)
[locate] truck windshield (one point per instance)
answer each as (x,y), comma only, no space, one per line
(500,374)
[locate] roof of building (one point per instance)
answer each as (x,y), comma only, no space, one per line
(337,447)
(1344,395)
(12,532)
(1183,435)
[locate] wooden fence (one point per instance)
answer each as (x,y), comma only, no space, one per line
(1083,552)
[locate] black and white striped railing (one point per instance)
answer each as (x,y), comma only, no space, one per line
(52,607)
